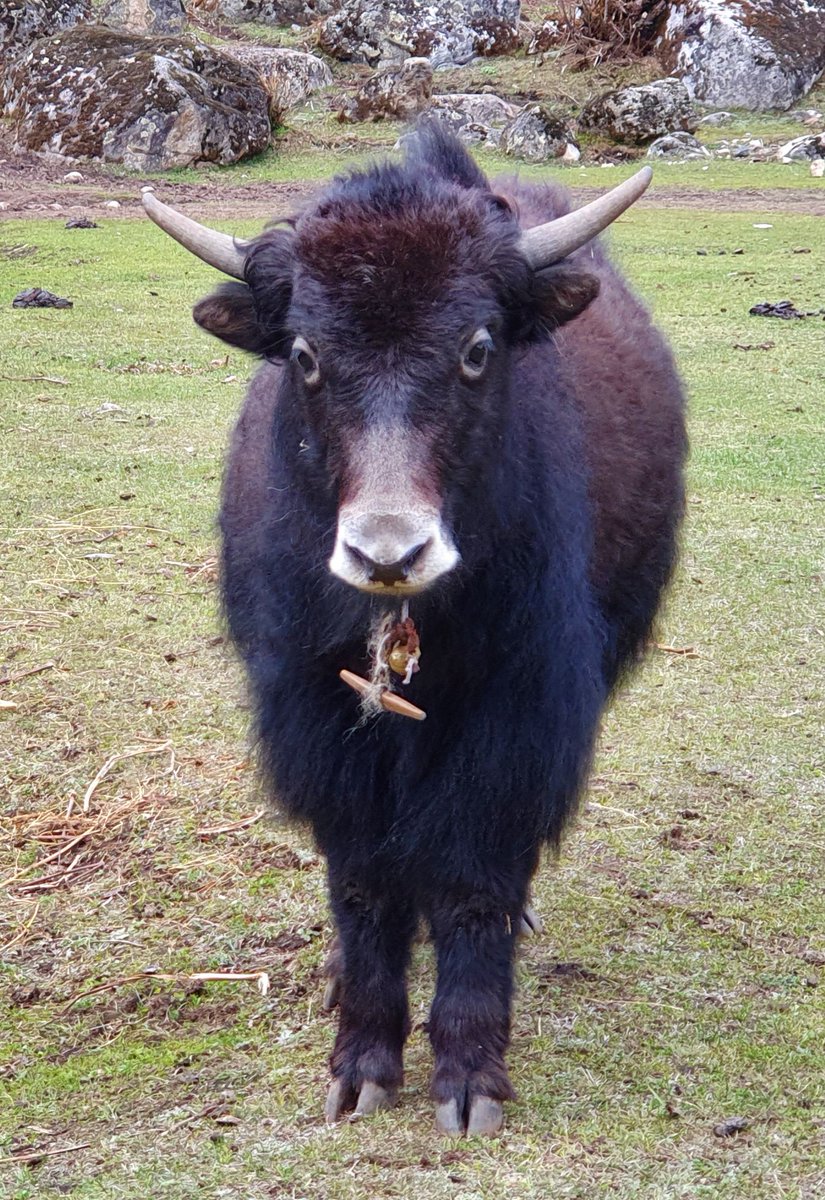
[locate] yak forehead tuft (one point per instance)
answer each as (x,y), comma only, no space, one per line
(392,258)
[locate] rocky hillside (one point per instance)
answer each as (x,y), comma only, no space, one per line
(156,84)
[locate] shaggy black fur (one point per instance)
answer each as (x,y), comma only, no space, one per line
(559,477)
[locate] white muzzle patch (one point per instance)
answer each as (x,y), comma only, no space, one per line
(390,539)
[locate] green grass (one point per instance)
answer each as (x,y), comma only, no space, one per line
(689,898)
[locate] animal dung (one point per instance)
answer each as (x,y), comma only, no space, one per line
(388,700)
(39,298)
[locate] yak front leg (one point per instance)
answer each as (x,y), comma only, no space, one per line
(475,937)
(375,925)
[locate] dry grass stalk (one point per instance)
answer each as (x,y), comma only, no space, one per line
(48,828)
(618,31)
(684,651)
(261,978)
(233,826)
(22,932)
(25,674)
(106,768)
(33,1156)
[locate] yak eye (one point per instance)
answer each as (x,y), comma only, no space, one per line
(474,358)
(304,356)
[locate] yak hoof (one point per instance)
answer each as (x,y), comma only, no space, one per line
(530,922)
(373,1098)
(485,1117)
(332,993)
(448,1119)
(341,1099)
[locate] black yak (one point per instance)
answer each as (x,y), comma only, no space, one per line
(457,476)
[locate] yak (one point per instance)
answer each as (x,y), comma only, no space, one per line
(456,486)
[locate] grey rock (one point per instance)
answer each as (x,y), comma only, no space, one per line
(24,21)
(807,116)
(144,16)
(476,118)
(447,32)
(535,134)
(296,13)
(803,149)
(717,119)
(289,77)
(396,92)
(638,114)
(678,147)
(149,103)
(754,54)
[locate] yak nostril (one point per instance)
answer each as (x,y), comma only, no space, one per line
(388,573)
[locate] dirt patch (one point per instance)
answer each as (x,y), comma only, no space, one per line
(34,187)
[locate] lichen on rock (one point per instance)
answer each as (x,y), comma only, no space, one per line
(754,54)
(149,103)
(638,114)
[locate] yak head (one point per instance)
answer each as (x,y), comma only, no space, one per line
(395,304)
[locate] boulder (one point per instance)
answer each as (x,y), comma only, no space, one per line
(266,12)
(803,149)
(24,21)
(753,54)
(717,119)
(678,147)
(397,92)
(149,103)
(447,32)
(536,134)
(638,114)
(289,77)
(144,16)
(475,118)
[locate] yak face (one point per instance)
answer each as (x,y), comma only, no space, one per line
(396,304)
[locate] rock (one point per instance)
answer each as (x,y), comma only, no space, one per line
(800,149)
(818,168)
(39,298)
(289,77)
(678,147)
(149,103)
(295,13)
(144,16)
(717,119)
(753,54)
(474,117)
(536,134)
(447,32)
(111,204)
(397,92)
(638,114)
(72,177)
(24,21)
(807,116)
(82,223)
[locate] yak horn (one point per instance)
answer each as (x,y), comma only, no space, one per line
(546,244)
(218,249)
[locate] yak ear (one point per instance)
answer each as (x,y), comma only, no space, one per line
(561,292)
(230,314)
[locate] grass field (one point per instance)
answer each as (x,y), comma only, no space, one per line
(679,982)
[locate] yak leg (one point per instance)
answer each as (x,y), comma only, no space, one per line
(375,929)
(475,935)
(530,924)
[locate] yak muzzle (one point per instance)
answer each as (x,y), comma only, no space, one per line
(391,553)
